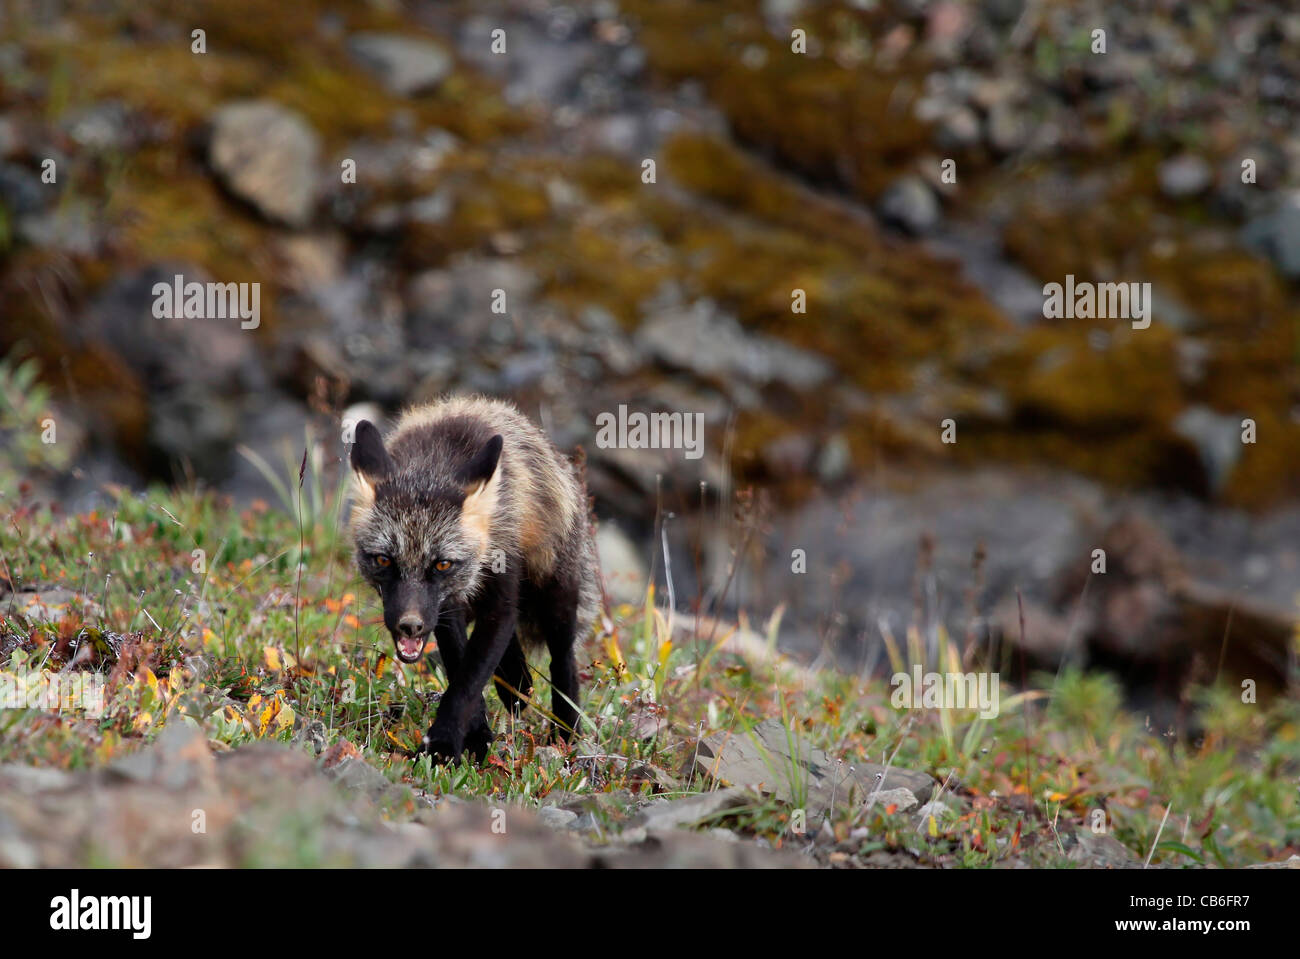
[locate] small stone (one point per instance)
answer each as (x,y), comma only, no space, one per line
(1292,862)
(548,756)
(901,797)
(957,129)
(555,817)
(621,564)
(910,204)
(1184,176)
(835,460)
(1277,235)
(1217,438)
(405,66)
(1007,132)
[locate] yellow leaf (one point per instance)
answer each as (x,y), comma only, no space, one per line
(613,652)
(284,717)
(272,658)
(151,680)
(264,720)
(934,828)
(665,650)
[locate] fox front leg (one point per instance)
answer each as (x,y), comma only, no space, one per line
(451,635)
(461,721)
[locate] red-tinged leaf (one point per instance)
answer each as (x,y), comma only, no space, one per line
(1015,838)
(1204,826)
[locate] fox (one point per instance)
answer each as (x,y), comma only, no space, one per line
(467,513)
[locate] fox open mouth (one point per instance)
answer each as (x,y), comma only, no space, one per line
(409,648)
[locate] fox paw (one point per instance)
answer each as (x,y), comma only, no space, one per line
(445,745)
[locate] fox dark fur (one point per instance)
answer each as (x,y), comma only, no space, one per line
(468,514)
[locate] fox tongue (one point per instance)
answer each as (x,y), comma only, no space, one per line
(410,648)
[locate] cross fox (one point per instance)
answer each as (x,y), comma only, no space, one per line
(469,514)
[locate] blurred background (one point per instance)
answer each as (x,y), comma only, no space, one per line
(223,156)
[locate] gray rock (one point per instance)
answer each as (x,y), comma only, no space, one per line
(266,154)
(1171,312)
(1277,234)
(901,797)
(909,203)
(1101,851)
(19,780)
(15,852)
(621,564)
(1003,12)
(713,345)
(957,128)
(404,65)
(834,460)
(22,192)
(1184,176)
(452,307)
(938,809)
(11,138)
(179,758)
(788,455)
(189,424)
(663,814)
(548,756)
(1292,862)
(1006,129)
(1217,438)
(555,817)
(357,775)
(73,228)
(53,603)
(194,370)
(777,762)
(99,127)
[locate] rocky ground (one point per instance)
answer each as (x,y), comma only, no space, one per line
(179,804)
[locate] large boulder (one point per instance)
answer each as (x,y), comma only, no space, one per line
(266,154)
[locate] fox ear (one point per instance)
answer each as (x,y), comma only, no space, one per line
(478,472)
(370,460)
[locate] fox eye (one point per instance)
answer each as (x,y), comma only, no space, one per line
(382,561)
(442,565)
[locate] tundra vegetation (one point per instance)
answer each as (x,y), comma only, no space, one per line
(252,625)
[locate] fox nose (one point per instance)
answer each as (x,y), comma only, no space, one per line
(410,625)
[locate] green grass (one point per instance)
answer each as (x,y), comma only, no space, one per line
(269,628)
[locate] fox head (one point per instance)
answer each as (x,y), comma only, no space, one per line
(421,534)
